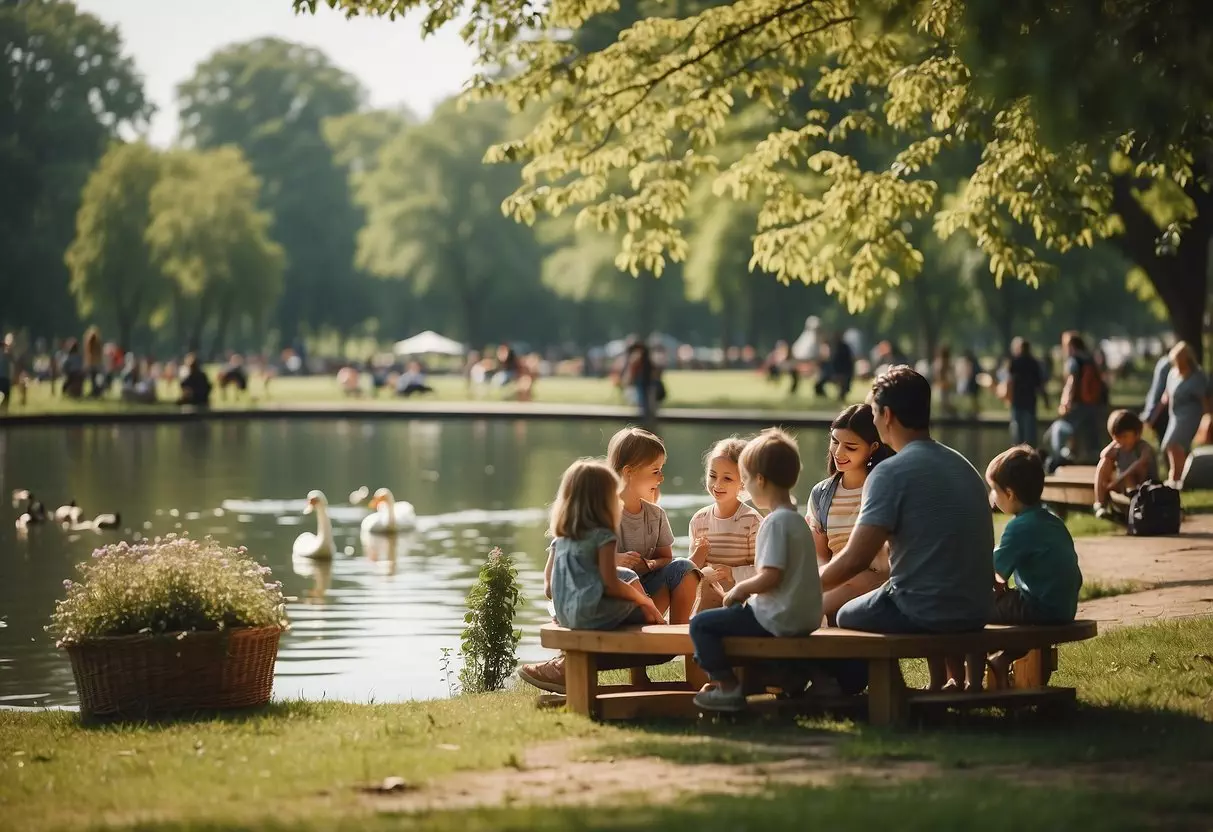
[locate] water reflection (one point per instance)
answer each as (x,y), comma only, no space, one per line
(373,621)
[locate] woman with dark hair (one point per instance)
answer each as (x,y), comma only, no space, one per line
(640,377)
(855,449)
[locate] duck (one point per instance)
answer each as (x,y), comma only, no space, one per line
(358,495)
(100,523)
(34,513)
(320,545)
(388,516)
(70,513)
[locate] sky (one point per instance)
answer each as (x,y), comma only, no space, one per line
(169,38)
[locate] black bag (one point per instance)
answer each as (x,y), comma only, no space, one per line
(659,390)
(1154,509)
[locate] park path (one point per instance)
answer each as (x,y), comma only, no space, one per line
(1176,575)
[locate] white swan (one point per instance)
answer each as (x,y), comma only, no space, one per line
(320,545)
(388,516)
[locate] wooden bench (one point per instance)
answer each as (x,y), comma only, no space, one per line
(888,700)
(1074,486)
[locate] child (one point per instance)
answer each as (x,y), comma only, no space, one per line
(855,449)
(1036,552)
(784,598)
(581,574)
(1127,462)
(723,534)
(646,542)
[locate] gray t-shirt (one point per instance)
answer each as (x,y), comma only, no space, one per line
(785,542)
(644,532)
(935,507)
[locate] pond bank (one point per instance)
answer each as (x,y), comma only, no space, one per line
(387,409)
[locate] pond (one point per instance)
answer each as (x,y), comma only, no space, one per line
(374,623)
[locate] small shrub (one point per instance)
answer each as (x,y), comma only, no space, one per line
(489,640)
(162,586)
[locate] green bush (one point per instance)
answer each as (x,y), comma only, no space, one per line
(489,640)
(163,586)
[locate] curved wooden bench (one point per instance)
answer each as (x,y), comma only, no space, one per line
(887,696)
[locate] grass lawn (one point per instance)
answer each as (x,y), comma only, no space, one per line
(1136,754)
(742,389)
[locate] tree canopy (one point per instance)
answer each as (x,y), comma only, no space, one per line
(66,90)
(627,128)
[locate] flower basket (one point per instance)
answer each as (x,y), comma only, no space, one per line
(152,675)
(170,626)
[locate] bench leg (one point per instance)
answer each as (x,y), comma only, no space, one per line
(1034,669)
(886,692)
(696,677)
(581,682)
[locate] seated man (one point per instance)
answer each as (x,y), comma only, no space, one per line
(1126,463)
(930,505)
(196,386)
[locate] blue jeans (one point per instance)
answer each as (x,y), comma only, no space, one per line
(1023,426)
(709,630)
(877,612)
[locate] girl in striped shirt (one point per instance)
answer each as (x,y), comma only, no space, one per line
(723,534)
(855,449)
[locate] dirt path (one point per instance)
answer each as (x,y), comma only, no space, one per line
(1176,574)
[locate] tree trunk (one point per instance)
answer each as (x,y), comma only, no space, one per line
(221,327)
(1181,280)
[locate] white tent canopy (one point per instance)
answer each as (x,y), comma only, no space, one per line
(429,343)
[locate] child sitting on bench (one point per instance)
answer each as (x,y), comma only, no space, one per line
(585,585)
(1036,553)
(784,598)
(1126,463)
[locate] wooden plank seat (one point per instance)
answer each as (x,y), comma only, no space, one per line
(1074,486)
(888,701)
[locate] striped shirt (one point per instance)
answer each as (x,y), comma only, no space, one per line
(732,538)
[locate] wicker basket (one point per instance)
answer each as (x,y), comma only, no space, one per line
(144,675)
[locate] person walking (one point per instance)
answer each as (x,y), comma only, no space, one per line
(1188,400)
(1024,386)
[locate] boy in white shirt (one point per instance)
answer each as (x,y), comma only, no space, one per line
(784,598)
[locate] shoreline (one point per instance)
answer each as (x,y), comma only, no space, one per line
(169,414)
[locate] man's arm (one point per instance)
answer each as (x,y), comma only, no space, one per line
(863,547)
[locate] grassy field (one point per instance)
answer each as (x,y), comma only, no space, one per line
(742,389)
(1135,755)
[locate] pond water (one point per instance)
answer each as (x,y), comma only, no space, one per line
(373,623)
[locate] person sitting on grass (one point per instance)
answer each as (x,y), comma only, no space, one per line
(1126,463)
(784,598)
(196,386)
(1036,566)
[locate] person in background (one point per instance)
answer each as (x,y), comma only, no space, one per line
(1188,400)
(195,387)
(412,381)
(94,360)
(838,368)
(969,383)
(1154,413)
(73,369)
(1025,385)
(8,371)
(639,380)
(943,379)
(1082,394)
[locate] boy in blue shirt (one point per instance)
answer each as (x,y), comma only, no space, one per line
(1036,552)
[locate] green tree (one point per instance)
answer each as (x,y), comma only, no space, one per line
(271,98)
(112,272)
(208,234)
(927,76)
(66,92)
(433,215)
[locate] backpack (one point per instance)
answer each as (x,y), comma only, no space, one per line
(1154,509)
(1090,384)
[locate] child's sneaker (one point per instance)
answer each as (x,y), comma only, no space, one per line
(547,675)
(1101,511)
(716,698)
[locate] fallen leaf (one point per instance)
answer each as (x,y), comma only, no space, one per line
(127,753)
(388,785)
(446,746)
